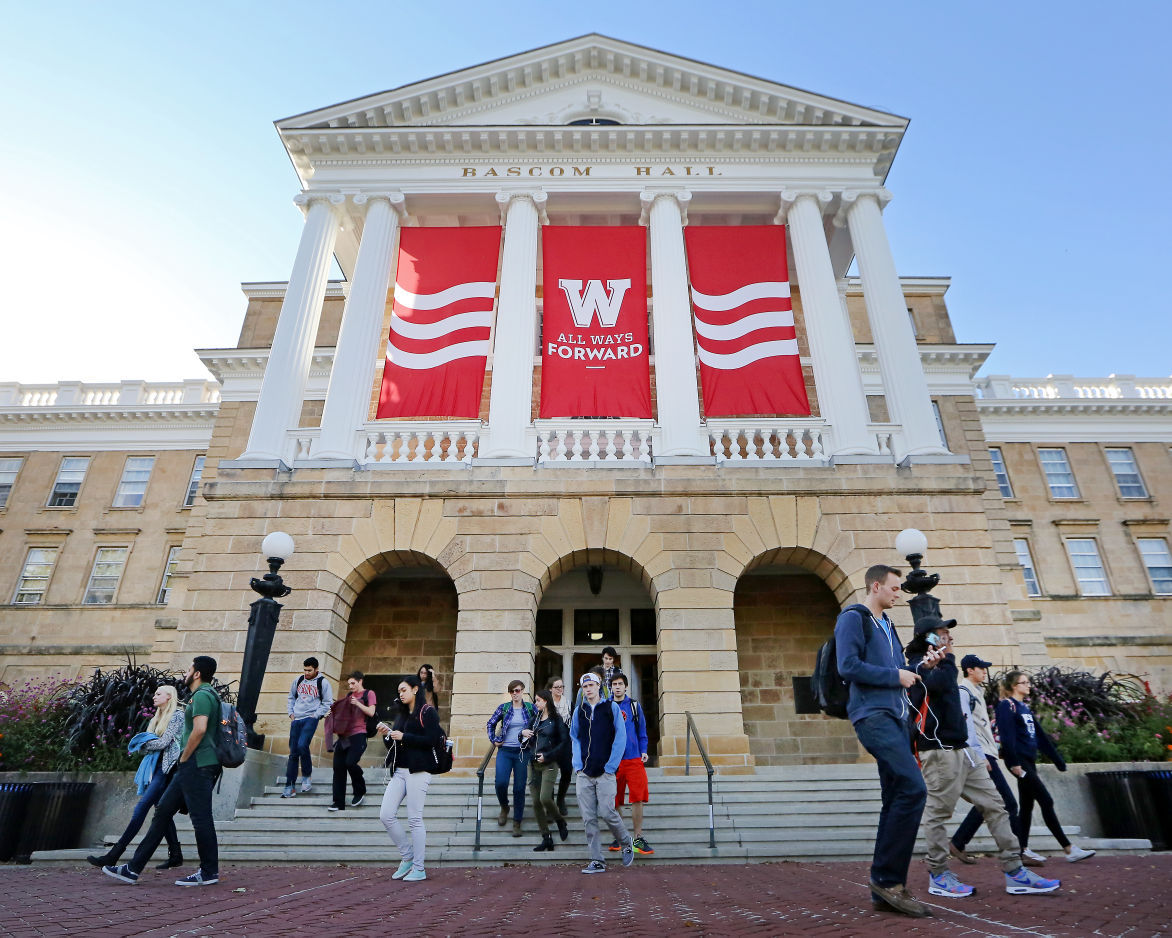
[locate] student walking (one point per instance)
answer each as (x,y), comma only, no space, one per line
(547,740)
(310,699)
(411,744)
(511,717)
(162,752)
(598,738)
(426,675)
(632,773)
(196,772)
(348,724)
(1021,738)
(565,764)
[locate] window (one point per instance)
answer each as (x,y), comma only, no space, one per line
(168,572)
(107,572)
(1088,568)
(34,578)
(68,481)
(1127,477)
(642,626)
(1058,475)
(912,319)
(1158,560)
(193,485)
(136,474)
(939,424)
(549,627)
(1001,472)
(9,467)
(1026,559)
(593,122)
(596,626)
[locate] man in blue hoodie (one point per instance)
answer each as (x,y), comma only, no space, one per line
(598,738)
(870,658)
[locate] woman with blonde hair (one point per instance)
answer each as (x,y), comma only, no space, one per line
(160,745)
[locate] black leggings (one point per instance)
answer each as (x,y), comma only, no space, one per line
(1029,790)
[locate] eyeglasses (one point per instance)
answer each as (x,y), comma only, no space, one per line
(1021,683)
(559,686)
(518,690)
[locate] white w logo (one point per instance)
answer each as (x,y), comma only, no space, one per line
(584,306)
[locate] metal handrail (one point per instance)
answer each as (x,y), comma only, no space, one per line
(480,793)
(692,731)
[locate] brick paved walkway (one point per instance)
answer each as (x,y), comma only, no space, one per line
(1110,896)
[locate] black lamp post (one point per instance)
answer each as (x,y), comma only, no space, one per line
(912,544)
(262,623)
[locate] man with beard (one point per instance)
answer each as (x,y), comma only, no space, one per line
(195,777)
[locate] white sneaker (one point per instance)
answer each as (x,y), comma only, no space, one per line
(1077,853)
(404,868)
(306,785)
(1029,854)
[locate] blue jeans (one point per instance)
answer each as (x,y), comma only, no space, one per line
(968,827)
(192,785)
(511,760)
(888,739)
(300,735)
(148,800)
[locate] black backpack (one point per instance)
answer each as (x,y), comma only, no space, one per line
(442,754)
(372,721)
(230,739)
(830,691)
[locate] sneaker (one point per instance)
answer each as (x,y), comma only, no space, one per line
(357,800)
(641,846)
(899,899)
(628,854)
(1023,882)
(404,868)
(594,866)
(615,846)
(334,807)
(1077,853)
(197,879)
(415,876)
(306,785)
(1029,858)
(958,854)
(123,872)
(288,792)
(946,884)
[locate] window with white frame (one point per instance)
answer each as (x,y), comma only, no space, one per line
(939,424)
(9,469)
(109,563)
(1001,472)
(70,476)
(1158,560)
(1059,476)
(168,572)
(1088,567)
(193,483)
(1122,462)
(34,577)
(911,315)
(1022,547)
(136,475)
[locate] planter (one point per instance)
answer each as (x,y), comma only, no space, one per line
(1126,807)
(1160,788)
(14,799)
(55,815)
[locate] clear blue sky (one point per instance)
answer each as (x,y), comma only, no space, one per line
(144,180)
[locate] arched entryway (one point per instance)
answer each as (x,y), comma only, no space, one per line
(587,609)
(783,613)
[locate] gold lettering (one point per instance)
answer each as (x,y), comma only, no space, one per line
(712,171)
(642,170)
(579,171)
(514,171)
(557,171)
(667,171)
(534,170)
(491,172)
(687,170)
(469,171)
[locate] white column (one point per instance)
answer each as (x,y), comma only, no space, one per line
(841,399)
(676,400)
(510,402)
(348,396)
(904,384)
(282,391)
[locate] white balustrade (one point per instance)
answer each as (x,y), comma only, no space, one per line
(605,443)
(80,395)
(764,442)
(419,445)
(1065,387)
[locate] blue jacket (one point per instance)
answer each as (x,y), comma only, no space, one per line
(636,721)
(598,739)
(146,768)
(1022,735)
(871,665)
(504,716)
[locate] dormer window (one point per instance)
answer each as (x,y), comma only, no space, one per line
(593,121)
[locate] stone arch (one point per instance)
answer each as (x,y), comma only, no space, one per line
(595,557)
(818,564)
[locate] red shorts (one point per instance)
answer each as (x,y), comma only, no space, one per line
(631,775)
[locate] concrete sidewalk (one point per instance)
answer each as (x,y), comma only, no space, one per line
(1109,896)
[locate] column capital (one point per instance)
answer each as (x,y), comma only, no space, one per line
(850,197)
(505,197)
(394,198)
(648,196)
(306,198)
(791,196)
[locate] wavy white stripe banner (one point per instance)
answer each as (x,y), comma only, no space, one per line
(421,362)
(746,356)
(774,319)
(461,291)
(433,330)
(720,302)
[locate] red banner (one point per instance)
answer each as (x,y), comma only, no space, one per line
(748,348)
(594,358)
(441,320)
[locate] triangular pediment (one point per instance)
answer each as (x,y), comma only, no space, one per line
(597,78)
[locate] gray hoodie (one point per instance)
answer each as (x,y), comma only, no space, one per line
(303,699)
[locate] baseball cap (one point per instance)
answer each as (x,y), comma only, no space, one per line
(933,623)
(588,677)
(974,661)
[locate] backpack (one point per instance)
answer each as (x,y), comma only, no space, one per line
(830,691)
(317,680)
(230,740)
(441,755)
(372,721)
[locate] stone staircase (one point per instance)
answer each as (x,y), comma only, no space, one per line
(822,812)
